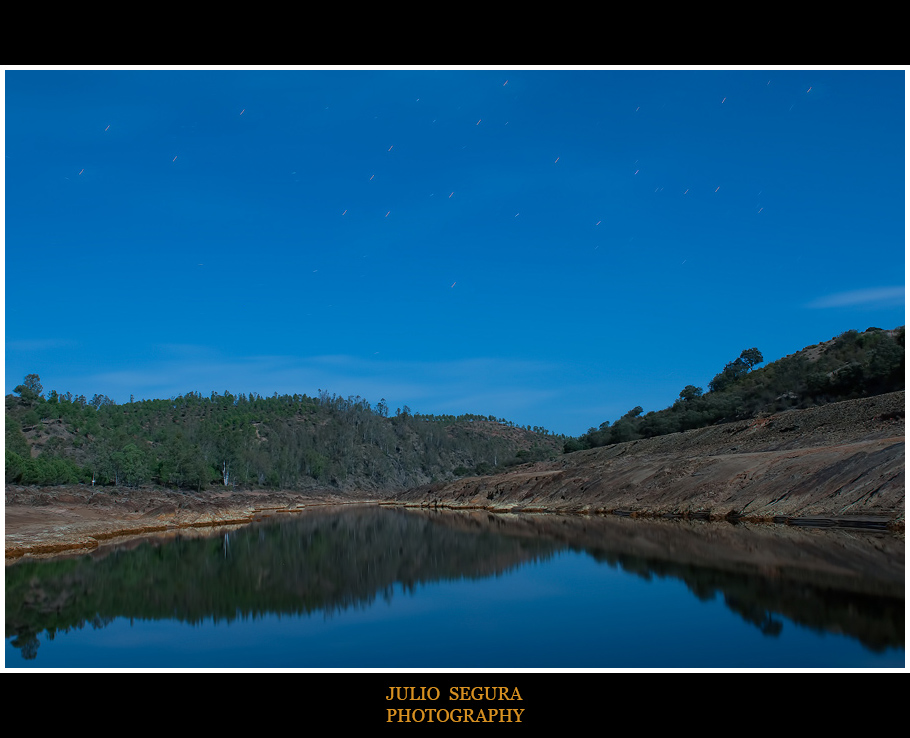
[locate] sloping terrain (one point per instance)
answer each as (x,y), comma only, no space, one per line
(841,459)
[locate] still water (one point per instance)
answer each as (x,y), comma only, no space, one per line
(372,587)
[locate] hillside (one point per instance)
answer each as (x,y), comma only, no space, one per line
(817,436)
(844,459)
(295,442)
(840,464)
(241,443)
(848,366)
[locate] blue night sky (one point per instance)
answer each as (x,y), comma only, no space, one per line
(549,246)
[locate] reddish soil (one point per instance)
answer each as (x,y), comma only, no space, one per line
(54,520)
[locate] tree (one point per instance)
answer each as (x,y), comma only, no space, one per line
(31,388)
(751,357)
(33,382)
(736,369)
(623,430)
(690,392)
(886,368)
(99,400)
(573,444)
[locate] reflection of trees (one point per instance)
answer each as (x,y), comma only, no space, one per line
(829,581)
(336,559)
(877,621)
(28,644)
(323,562)
(757,616)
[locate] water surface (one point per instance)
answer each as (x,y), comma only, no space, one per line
(377,587)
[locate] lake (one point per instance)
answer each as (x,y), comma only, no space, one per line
(378,587)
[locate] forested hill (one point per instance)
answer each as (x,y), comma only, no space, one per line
(295,442)
(849,366)
(291,442)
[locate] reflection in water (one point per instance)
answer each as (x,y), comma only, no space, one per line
(327,561)
(338,559)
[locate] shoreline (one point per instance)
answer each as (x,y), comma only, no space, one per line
(66,520)
(853,522)
(74,530)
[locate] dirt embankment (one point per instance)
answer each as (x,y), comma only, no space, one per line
(53,520)
(840,461)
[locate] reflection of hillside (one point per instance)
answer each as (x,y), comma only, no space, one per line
(330,559)
(829,580)
(326,560)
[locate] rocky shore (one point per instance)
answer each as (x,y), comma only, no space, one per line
(837,465)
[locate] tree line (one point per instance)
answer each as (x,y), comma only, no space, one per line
(243,441)
(195,441)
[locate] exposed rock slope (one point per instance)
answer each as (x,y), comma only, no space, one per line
(842,459)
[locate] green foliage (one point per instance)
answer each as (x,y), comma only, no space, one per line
(575,444)
(736,370)
(751,357)
(690,392)
(15,438)
(30,390)
(40,471)
(99,401)
(129,466)
(30,418)
(242,441)
(623,430)
(315,463)
(528,455)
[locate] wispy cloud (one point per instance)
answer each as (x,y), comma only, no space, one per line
(35,345)
(874,297)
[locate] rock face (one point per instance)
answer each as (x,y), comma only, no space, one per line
(840,460)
